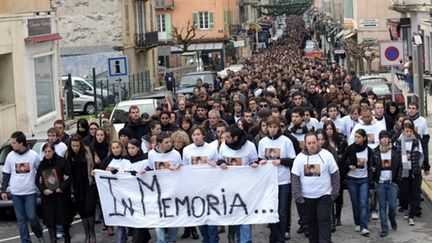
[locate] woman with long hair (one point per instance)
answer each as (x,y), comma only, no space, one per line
(356,162)
(100,145)
(110,131)
(82,163)
(88,140)
(53,179)
(82,127)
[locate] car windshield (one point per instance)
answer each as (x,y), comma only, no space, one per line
(372,80)
(383,89)
(120,114)
(190,80)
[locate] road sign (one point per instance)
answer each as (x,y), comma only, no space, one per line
(391,53)
(117,66)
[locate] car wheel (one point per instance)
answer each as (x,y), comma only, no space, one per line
(90,108)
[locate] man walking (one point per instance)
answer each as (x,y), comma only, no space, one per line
(19,172)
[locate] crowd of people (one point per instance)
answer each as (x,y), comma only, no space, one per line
(306,117)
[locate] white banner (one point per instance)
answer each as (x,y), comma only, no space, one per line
(190,196)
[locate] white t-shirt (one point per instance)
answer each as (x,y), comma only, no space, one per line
(313,122)
(281,147)
(193,154)
(120,164)
(138,166)
(301,140)
(372,132)
(246,155)
(159,160)
(348,125)
(361,170)
(386,163)
(420,125)
(315,173)
(22,169)
(60,149)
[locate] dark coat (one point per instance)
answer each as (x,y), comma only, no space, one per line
(137,129)
(396,164)
(57,207)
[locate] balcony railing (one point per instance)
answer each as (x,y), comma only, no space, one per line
(146,40)
(411,2)
(164,4)
(411,5)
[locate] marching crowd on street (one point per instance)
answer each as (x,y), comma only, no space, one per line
(305,116)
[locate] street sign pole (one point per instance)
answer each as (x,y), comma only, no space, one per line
(393,83)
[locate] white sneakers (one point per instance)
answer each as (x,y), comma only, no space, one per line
(375,215)
(365,232)
(411,222)
(357,228)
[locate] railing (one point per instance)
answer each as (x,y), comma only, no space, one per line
(164,4)
(147,40)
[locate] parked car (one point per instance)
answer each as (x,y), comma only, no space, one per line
(234,68)
(84,87)
(384,92)
(120,113)
(35,143)
(372,79)
(188,81)
(85,104)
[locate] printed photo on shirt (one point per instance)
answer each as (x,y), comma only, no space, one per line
(312,170)
(371,138)
(234,161)
(199,160)
(408,152)
(272,153)
(301,144)
(386,164)
(50,179)
(161,165)
(21,168)
(361,163)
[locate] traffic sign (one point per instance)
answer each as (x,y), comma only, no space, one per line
(117,66)
(391,53)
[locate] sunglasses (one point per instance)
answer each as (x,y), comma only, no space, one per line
(264,105)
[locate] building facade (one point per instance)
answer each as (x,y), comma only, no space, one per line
(29,67)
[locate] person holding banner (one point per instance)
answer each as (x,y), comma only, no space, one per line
(315,184)
(199,153)
(277,149)
(237,148)
(161,157)
(81,160)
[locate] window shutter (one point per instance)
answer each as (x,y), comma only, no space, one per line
(195,20)
(168,26)
(211,24)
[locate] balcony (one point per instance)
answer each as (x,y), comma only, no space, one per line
(164,4)
(146,40)
(405,6)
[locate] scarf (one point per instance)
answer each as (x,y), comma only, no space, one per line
(385,149)
(239,143)
(298,129)
(21,152)
(406,163)
(353,149)
(415,116)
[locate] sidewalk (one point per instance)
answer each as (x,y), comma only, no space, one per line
(427,179)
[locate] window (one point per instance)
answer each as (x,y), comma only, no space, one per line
(44,85)
(140,17)
(203,20)
(161,23)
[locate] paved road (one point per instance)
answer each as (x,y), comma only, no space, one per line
(419,233)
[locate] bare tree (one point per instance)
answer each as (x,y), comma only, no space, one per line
(185,36)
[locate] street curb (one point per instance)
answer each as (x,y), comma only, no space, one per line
(427,190)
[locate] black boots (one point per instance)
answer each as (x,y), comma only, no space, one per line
(190,231)
(338,215)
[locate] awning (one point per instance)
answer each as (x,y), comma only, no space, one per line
(340,34)
(211,46)
(43,38)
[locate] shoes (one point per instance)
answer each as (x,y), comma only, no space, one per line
(375,215)
(365,232)
(287,236)
(195,235)
(186,234)
(59,235)
(406,213)
(301,230)
(110,230)
(383,234)
(393,224)
(41,239)
(338,222)
(411,222)
(221,229)
(333,228)
(306,234)
(357,228)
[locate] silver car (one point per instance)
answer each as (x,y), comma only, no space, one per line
(85,104)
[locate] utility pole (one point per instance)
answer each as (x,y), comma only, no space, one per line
(417,50)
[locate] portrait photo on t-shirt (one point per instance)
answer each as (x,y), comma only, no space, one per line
(361,162)
(312,170)
(234,161)
(386,164)
(21,168)
(371,138)
(50,178)
(161,165)
(272,153)
(408,152)
(199,160)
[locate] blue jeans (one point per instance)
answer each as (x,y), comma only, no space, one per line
(244,233)
(166,235)
(25,211)
(387,194)
(410,80)
(209,233)
(121,236)
(358,189)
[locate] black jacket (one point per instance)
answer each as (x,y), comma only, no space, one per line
(396,164)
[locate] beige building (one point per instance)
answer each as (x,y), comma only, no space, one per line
(140,37)
(29,91)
